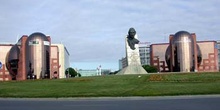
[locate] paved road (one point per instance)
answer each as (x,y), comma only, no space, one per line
(129,103)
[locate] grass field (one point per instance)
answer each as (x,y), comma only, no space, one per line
(115,86)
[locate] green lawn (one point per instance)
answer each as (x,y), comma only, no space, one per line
(115,86)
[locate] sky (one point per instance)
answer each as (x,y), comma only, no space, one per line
(94,31)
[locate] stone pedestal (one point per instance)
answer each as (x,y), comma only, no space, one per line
(132,56)
(132,69)
(133,60)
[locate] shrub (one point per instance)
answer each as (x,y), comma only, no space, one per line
(150,69)
(71,72)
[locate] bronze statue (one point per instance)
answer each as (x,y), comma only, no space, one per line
(130,38)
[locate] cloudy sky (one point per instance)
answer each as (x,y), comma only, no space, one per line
(94,30)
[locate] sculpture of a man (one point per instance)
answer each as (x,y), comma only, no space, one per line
(133,63)
(130,38)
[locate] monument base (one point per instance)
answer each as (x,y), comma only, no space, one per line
(132,69)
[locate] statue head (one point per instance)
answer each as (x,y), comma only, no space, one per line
(131,33)
(130,38)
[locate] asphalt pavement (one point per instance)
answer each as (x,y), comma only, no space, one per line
(200,102)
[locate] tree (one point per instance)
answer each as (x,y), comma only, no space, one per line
(70,72)
(150,69)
